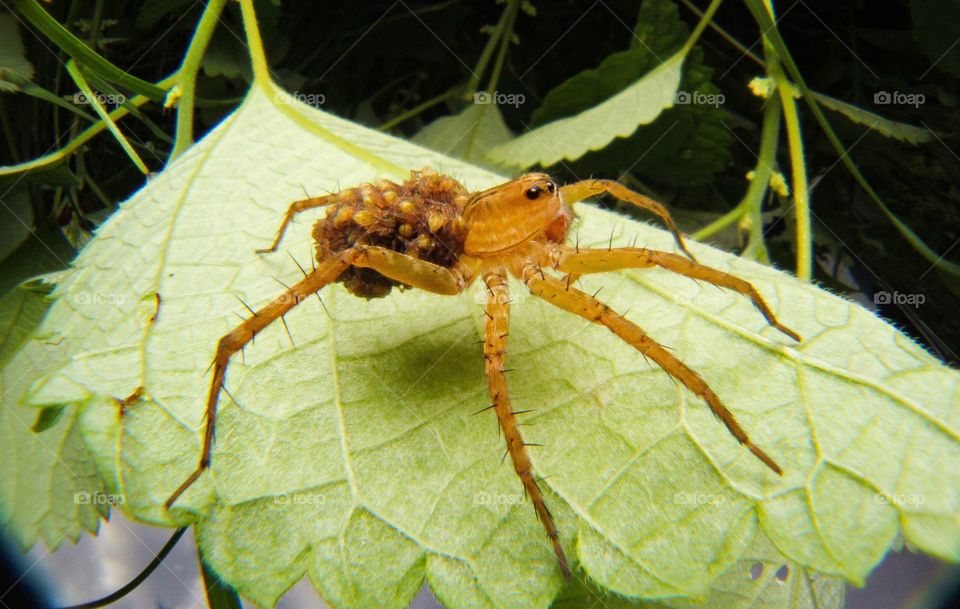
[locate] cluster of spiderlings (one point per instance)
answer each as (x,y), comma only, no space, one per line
(421,218)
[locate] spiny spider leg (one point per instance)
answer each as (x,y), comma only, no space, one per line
(409,270)
(578,191)
(295,208)
(579,303)
(494,352)
(412,271)
(580,262)
(244,333)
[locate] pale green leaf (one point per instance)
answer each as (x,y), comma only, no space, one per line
(354,457)
(619,116)
(49,488)
(884,126)
(467,135)
(762,577)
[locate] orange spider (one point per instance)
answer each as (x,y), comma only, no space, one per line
(431,233)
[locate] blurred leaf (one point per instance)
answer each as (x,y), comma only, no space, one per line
(43,251)
(20,312)
(14,66)
(761,577)
(49,480)
(16,220)
(468,135)
(619,116)
(219,594)
(50,175)
(884,126)
(48,418)
(659,34)
(152,11)
(226,56)
(685,143)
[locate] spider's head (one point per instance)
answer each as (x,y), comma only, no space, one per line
(509,214)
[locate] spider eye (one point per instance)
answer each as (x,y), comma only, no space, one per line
(551,187)
(533,192)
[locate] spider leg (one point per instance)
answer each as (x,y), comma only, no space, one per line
(567,260)
(579,303)
(494,352)
(409,270)
(295,208)
(578,191)
(229,344)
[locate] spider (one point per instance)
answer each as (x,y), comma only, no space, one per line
(431,233)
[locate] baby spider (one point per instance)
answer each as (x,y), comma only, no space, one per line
(431,233)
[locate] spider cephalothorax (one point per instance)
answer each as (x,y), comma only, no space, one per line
(431,233)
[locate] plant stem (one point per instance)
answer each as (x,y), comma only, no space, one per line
(136,581)
(63,38)
(721,223)
(506,36)
(187,75)
(800,185)
(757,193)
(258,58)
(393,122)
(725,34)
(486,54)
(766,24)
(701,25)
(78,77)
(82,138)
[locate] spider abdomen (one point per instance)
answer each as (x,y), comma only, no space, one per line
(423,218)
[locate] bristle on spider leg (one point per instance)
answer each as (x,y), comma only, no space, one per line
(230,395)
(283,320)
(317,294)
(298,264)
(485,409)
(252,312)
